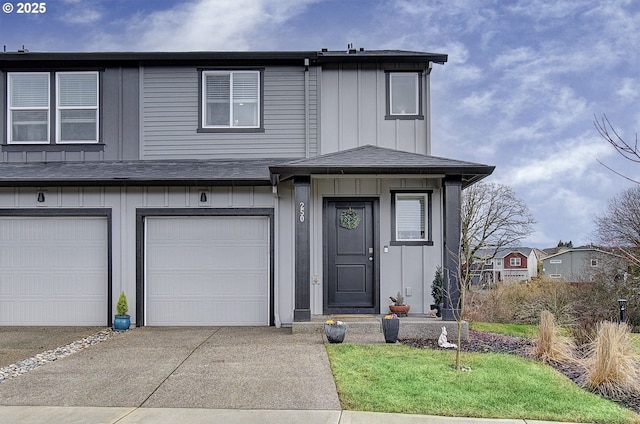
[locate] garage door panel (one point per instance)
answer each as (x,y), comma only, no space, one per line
(207,271)
(53,270)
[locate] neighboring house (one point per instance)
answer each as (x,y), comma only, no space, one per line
(507,265)
(221,188)
(582,264)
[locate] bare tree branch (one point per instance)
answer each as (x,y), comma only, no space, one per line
(492,218)
(619,226)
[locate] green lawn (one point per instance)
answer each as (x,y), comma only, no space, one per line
(402,379)
(518,330)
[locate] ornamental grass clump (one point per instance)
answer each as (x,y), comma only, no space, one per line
(612,365)
(551,346)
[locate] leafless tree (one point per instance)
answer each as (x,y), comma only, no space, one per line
(629,151)
(492,218)
(619,226)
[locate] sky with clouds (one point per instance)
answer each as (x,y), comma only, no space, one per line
(522,87)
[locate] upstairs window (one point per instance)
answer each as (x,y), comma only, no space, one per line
(28,112)
(404,95)
(77,107)
(31,119)
(594,262)
(411,218)
(231,99)
(514,261)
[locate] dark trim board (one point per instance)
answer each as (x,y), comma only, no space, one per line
(83,212)
(142,213)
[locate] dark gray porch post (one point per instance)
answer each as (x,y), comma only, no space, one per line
(302,195)
(452,204)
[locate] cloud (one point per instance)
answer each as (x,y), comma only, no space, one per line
(629,90)
(561,162)
(221,25)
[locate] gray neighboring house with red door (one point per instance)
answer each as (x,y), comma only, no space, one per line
(221,188)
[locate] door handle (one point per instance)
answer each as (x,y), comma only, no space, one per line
(370,258)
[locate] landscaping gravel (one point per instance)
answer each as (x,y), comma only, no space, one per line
(26,365)
(480,342)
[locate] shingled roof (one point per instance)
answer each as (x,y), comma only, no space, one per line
(378,160)
(361,160)
(179,172)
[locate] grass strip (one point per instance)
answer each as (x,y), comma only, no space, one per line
(402,379)
(516,330)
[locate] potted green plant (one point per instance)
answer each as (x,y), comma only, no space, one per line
(335,331)
(390,328)
(437,292)
(122,320)
(398,306)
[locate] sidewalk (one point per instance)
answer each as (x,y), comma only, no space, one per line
(66,415)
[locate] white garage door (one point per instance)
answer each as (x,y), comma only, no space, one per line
(53,271)
(207,270)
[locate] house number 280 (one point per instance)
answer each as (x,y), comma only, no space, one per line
(301,211)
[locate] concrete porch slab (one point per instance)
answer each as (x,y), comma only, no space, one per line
(368,328)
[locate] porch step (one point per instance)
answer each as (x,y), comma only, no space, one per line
(412,326)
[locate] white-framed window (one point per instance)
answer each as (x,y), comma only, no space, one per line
(594,263)
(411,220)
(514,261)
(77,107)
(555,261)
(71,116)
(28,107)
(488,261)
(404,95)
(555,276)
(498,262)
(231,99)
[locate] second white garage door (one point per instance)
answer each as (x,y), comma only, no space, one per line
(211,270)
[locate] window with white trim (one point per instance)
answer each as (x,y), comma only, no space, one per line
(514,261)
(28,107)
(31,119)
(411,220)
(77,107)
(231,99)
(404,95)
(594,262)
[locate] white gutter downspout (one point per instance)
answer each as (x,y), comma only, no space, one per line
(307,148)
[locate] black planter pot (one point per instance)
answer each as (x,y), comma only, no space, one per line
(390,329)
(335,333)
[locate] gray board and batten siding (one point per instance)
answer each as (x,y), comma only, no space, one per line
(353,108)
(119,125)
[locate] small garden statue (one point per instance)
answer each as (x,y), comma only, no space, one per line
(442,340)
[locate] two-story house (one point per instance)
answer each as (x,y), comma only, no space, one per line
(221,188)
(583,264)
(507,265)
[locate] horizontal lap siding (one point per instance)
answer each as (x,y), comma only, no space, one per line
(170,118)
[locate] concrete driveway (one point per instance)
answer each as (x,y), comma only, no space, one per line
(200,367)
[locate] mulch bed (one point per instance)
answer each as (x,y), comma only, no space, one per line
(480,342)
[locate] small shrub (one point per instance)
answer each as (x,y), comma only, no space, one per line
(612,367)
(122,307)
(522,303)
(550,346)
